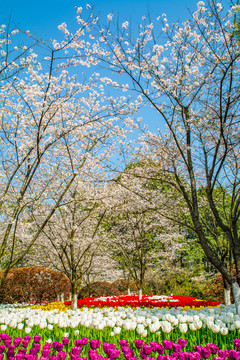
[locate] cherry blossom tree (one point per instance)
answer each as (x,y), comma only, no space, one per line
(140,237)
(73,236)
(56,128)
(188,73)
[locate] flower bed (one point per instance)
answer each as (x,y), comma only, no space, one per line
(31,349)
(147,300)
(148,333)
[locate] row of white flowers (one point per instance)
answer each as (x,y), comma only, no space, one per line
(221,319)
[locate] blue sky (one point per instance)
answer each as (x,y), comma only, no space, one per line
(43,16)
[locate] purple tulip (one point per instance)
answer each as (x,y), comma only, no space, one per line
(25,343)
(3,336)
(37,346)
(94,344)
(234,355)
(176,347)
(76,350)
(154,345)
(93,354)
(74,357)
(160,349)
(138,343)
(22,351)
(2,348)
(196,355)
(45,352)
(181,355)
(84,340)
(217,358)
(30,357)
(59,347)
(61,355)
(147,349)
(20,356)
(237,343)
(17,341)
(78,343)
(213,347)
(37,338)
(142,354)
(182,342)
(43,358)
(123,342)
(7,342)
(223,354)
(55,344)
(33,351)
(113,353)
(54,357)
(27,338)
(65,340)
(167,344)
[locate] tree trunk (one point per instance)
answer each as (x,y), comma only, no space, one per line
(74,301)
(74,296)
(226,292)
(62,297)
(129,292)
(140,294)
(236,296)
(227,296)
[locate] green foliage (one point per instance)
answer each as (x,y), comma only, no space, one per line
(179,283)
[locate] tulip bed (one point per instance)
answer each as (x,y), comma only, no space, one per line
(147,300)
(147,333)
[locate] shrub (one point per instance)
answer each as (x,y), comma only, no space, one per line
(35,284)
(213,289)
(98,288)
(122,285)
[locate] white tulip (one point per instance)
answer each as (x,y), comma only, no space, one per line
(166,327)
(192,326)
(215,328)
(183,328)
(42,325)
(140,329)
(28,330)
(144,334)
(127,325)
(50,327)
(49,341)
(224,330)
(117,330)
(3,327)
(148,321)
(100,325)
(237,324)
(20,326)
